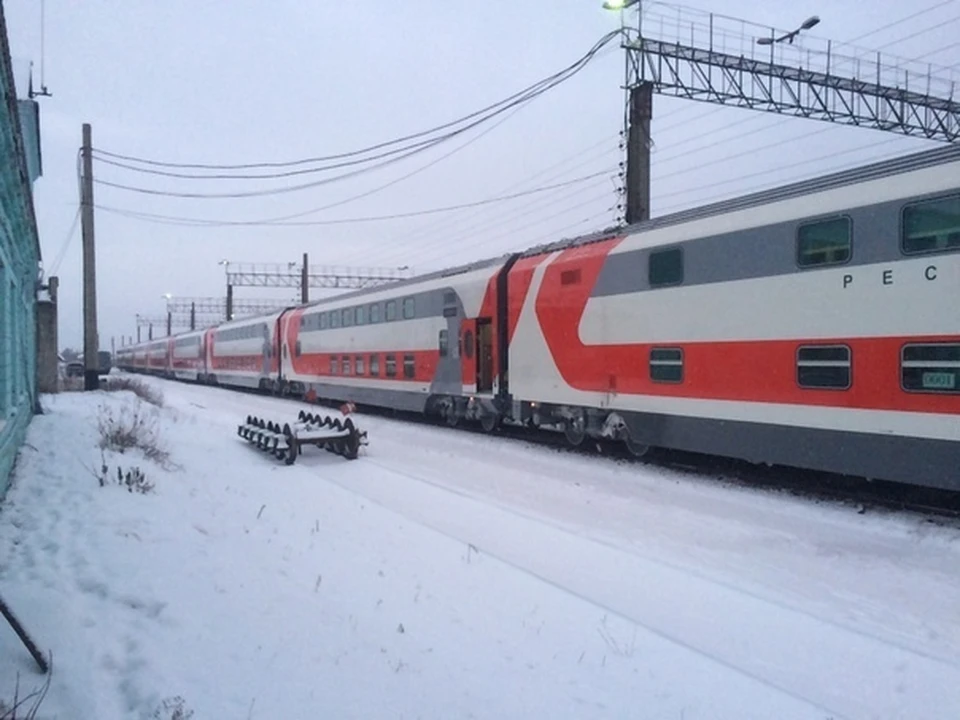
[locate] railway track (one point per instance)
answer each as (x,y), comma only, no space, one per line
(940,507)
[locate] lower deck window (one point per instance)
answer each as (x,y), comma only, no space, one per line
(358,363)
(408,367)
(375,365)
(346,365)
(334,366)
(391,366)
(931,368)
(666,365)
(824,367)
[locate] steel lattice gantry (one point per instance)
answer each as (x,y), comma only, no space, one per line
(290,275)
(703,74)
(679,51)
(217,306)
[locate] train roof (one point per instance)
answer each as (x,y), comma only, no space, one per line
(862,173)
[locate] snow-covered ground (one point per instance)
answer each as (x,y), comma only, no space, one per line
(450,575)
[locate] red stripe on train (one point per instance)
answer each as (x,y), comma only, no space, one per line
(744,371)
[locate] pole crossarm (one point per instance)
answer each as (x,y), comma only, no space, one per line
(711,76)
(289,275)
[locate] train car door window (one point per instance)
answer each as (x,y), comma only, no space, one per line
(932,368)
(484,355)
(444,343)
(931,226)
(665,267)
(825,242)
(824,367)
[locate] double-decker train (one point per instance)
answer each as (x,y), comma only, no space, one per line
(816,325)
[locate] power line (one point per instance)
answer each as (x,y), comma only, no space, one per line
(170,220)
(900,21)
(779,168)
(484,114)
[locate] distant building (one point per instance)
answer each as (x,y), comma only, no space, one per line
(19,261)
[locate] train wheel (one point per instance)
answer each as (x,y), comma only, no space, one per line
(635,448)
(574,431)
(489,422)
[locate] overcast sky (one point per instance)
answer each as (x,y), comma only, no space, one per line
(244,81)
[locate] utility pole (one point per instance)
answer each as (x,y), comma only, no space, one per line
(150,331)
(193,316)
(638,153)
(138,334)
(305,282)
(91,343)
(229,301)
(169,323)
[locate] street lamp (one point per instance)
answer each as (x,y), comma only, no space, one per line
(619,4)
(789,37)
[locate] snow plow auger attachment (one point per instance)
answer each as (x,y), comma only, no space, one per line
(336,433)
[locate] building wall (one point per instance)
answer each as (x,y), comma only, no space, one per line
(19,268)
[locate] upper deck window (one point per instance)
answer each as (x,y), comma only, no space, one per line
(666,267)
(825,242)
(931,226)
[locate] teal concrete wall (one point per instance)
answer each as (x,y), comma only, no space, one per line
(19,264)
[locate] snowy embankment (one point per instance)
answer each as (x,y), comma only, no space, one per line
(446,575)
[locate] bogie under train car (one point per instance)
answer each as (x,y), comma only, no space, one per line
(816,325)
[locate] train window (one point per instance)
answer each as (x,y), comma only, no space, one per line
(931,368)
(824,367)
(346,365)
(375,313)
(358,364)
(444,342)
(391,310)
(665,267)
(362,315)
(409,308)
(346,317)
(324,318)
(931,226)
(334,319)
(375,365)
(825,242)
(409,370)
(391,366)
(666,365)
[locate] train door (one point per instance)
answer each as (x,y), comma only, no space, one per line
(468,354)
(484,355)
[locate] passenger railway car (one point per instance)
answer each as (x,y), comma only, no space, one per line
(816,325)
